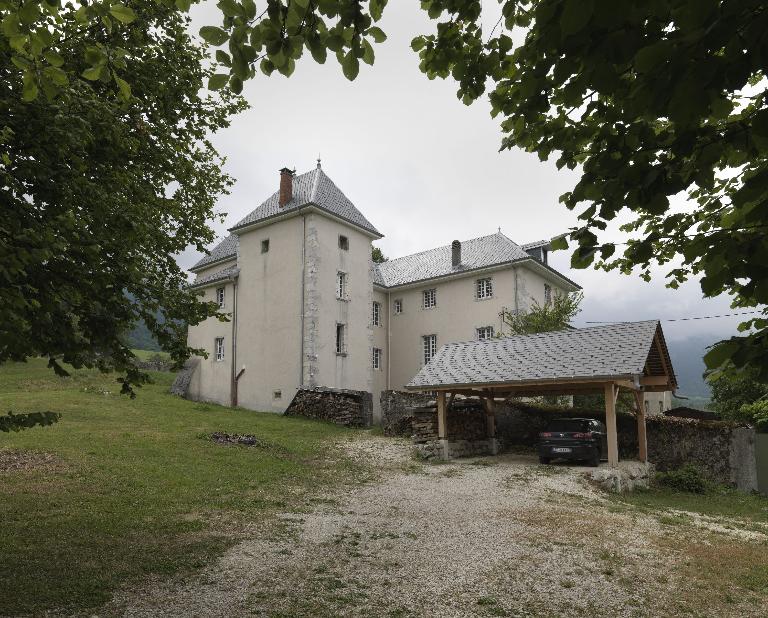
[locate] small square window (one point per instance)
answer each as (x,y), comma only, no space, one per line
(484,289)
(376,358)
(343,243)
(398,306)
(277,394)
(376,317)
(219,348)
(429,298)
(265,245)
(341,285)
(484,332)
(220,297)
(341,335)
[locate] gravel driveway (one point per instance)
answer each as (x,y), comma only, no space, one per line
(497,536)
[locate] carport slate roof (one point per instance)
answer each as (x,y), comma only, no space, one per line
(612,351)
(476,253)
(311,188)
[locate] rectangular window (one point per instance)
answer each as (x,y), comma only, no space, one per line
(547,294)
(341,285)
(376,317)
(220,297)
(429,298)
(219,348)
(484,332)
(277,394)
(484,288)
(376,358)
(398,307)
(344,243)
(265,245)
(341,344)
(430,347)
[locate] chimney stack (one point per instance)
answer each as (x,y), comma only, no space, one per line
(286,186)
(456,253)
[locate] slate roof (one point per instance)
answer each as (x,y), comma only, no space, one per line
(534,245)
(477,253)
(612,351)
(220,275)
(312,188)
(227,248)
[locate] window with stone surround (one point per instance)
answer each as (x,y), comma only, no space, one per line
(430,347)
(484,332)
(429,298)
(376,314)
(218,347)
(220,297)
(341,339)
(377,358)
(398,306)
(547,294)
(484,288)
(341,285)
(343,243)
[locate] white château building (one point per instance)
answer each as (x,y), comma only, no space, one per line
(309,308)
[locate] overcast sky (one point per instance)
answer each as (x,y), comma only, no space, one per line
(423,168)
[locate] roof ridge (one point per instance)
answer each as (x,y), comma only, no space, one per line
(572,331)
(448,246)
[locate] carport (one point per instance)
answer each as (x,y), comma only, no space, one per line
(601,359)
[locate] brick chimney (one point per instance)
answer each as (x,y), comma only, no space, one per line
(456,253)
(286,186)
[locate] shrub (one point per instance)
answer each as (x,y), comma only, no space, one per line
(757,413)
(688,478)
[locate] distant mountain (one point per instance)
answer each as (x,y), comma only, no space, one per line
(139,338)
(687,359)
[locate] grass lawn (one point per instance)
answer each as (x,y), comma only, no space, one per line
(719,503)
(133,488)
(144,355)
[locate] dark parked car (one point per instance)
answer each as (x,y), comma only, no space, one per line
(573,438)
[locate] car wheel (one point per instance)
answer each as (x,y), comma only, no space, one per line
(544,460)
(594,461)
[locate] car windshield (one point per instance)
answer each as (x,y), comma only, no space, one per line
(567,424)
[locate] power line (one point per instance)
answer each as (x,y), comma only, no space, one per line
(700,317)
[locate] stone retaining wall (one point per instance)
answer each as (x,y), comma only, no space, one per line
(725,451)
(396,417)
(340,406)
(467,432)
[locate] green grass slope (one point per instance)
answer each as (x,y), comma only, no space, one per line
(133,488)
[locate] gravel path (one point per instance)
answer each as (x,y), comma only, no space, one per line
(498,536)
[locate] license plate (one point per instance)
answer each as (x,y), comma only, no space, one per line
(561,449)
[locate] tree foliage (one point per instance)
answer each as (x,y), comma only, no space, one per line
(554,315)
(377,255)
(732,391)
(649,100)
(99,192)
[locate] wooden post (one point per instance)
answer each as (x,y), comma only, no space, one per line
(610,424)
(490,423)
(442,421)
(642,441)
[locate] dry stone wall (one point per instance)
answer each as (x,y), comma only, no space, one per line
(396,413)
(340,406)
(725,451)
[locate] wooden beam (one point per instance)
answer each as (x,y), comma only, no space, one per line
(654,381)
(610,424)
(660,348)
(442,420)
(642,440)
